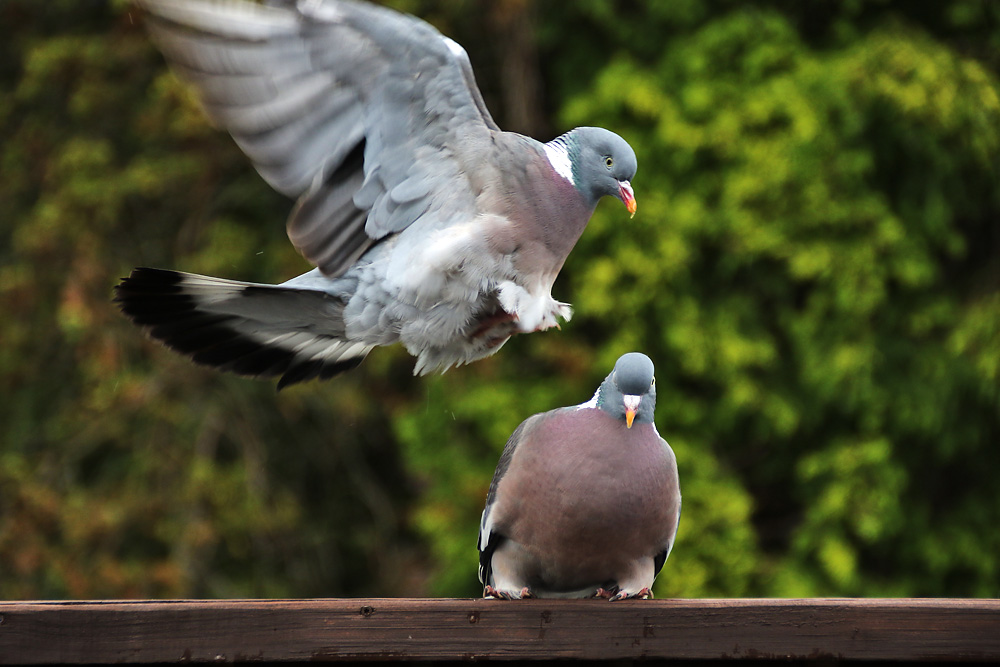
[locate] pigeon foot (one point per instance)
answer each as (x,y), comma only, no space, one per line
(625,594)
(531,311)
(490,593)
(557,311)
(606,593)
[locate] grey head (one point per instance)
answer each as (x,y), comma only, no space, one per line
(601,162)
(629,392)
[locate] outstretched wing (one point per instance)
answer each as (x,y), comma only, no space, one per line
(367,116)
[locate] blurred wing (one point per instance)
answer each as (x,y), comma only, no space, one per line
(360,112)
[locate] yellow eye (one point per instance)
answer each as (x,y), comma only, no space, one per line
(609,162)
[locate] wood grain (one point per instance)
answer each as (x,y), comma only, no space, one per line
(947,630)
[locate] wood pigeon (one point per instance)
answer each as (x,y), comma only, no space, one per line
(585,500)
(427,224)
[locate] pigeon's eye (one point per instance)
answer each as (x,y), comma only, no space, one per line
(609,162)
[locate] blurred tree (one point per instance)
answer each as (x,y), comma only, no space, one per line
(124,471)
(814,268)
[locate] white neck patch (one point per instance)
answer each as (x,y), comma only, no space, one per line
(592,403)
(455,48)
(558,154)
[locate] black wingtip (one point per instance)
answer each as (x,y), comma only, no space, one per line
(486,557)
(148,295)
(155,300)
(315,369)
(143,279)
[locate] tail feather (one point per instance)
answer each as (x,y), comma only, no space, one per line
(245,328)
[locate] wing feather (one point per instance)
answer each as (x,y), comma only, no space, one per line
(489,539)
(301,86)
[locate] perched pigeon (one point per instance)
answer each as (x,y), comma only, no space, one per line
(585,500)
(428,225)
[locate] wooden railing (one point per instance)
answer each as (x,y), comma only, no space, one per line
(454,630)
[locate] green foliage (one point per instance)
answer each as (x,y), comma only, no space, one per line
(816,231)
(124,470)
(813,268)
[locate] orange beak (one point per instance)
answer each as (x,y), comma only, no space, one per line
(631,407)
(625,191)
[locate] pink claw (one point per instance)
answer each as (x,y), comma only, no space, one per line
(644,594)
(490,592)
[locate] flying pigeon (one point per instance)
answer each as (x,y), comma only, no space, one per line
(427,224)
(585,500)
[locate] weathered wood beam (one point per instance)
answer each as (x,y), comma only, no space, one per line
(949,630)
